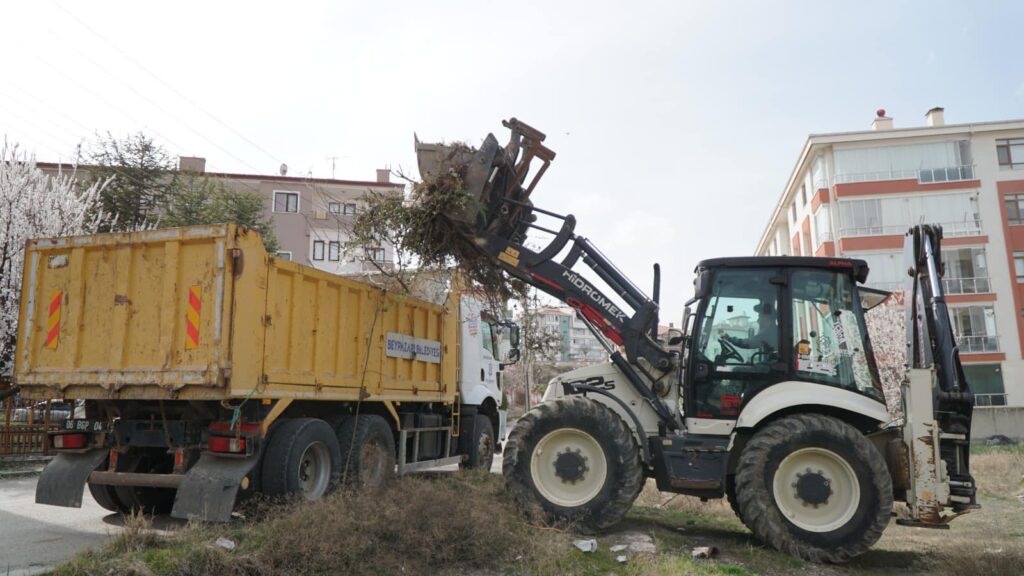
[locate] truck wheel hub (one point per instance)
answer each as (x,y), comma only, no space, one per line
(571,466)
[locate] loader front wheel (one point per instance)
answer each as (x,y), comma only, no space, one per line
(576,460)
(815,487)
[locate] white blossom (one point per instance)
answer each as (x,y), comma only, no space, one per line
(32,205)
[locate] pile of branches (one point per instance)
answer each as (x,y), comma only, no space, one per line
(427,235)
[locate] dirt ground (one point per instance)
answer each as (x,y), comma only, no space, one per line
(986,542)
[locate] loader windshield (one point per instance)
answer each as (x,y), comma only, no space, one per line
(829,334)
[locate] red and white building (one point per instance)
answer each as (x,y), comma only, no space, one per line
(854,194)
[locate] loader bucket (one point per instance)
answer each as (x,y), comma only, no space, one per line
(493,177)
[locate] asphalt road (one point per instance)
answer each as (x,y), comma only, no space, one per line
(34,537)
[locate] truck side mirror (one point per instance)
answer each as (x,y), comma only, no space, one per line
(514,335)
(511,358)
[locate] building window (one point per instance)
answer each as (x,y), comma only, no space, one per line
(334,207)
(318,249)
(375,254)
(349,209)
(966,271)
(803,195)
(334,251)
(986,383)
(283,255)
(287,202)
(1010,153)
(1014,208)
(792,213)
(1018,266)
(975,329)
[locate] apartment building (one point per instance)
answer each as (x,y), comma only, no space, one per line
(313,216)
(576,342)
(854,194)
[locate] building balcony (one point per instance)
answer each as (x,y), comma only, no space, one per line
(984,400)
(977,344)
(966,285)
(922,175)
(958,229)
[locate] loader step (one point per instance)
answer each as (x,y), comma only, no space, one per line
(691,464)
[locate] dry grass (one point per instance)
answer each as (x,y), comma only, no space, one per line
(466,524)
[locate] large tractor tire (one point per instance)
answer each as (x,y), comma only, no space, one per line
(814,487)
(302,459)
(368,456)
(480,445)
(576,460)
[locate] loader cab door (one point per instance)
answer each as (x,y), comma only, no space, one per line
(736,348)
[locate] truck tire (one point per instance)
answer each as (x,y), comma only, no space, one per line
(480,448)
(368,456)
(106,497)
(576,460)
(814,487)
(302,459)
(141,498)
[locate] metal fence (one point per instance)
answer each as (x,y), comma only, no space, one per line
(24,427)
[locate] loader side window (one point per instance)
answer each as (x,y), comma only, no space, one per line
(829,335)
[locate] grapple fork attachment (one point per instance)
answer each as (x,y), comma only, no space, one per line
(495,178)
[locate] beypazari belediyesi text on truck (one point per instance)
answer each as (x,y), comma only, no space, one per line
(211,371)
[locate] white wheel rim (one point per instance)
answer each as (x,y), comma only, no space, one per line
(816,464)
(571,445)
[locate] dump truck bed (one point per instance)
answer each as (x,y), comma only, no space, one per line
(204,313)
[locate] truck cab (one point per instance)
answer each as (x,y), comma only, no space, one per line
(488,344)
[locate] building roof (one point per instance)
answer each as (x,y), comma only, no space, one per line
(262,177)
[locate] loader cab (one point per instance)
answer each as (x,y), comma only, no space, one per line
(760,321)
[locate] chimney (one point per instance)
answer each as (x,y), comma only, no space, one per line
(881,121)
(192,164)
(383,175)
(936,116)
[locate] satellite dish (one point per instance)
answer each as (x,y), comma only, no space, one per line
(284,169)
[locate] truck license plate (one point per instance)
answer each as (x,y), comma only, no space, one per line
(83,425)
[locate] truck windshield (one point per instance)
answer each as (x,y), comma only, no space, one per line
(829,332)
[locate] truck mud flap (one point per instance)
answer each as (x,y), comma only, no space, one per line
(209,489)
(62,482)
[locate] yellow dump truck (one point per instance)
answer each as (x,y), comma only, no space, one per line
(212,371)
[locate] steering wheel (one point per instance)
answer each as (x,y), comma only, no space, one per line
(729,350)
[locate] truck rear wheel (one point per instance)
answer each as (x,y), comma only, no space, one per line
(577,460)
(302,459)
(480,449)
(368,456)
(142,498)
(106,497)
(815,487)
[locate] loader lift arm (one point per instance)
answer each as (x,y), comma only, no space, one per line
(931,344)
(497,222)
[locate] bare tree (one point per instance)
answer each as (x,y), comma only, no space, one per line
(886,326)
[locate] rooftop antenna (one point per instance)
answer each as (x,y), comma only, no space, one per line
(334,160)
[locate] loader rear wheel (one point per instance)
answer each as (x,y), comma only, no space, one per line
(302,459)
(368,454)
(576,460)
(815,487)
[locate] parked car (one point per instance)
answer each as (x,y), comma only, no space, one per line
(59,411)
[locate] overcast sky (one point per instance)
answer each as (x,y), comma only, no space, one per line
(676,124)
